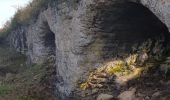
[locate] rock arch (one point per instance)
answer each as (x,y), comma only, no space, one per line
(41,41)
(96,31)
(123,24)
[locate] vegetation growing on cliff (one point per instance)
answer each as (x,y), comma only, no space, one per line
(25,15)
(19,81)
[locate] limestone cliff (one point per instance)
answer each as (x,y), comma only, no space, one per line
(81,34)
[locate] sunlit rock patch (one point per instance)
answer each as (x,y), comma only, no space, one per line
(145,57)
(122,70)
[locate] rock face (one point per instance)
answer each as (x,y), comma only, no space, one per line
(17,40)
(82,34)
(161,8)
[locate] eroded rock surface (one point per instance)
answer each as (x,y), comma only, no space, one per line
(83,34)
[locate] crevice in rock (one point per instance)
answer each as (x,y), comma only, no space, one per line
(48,39)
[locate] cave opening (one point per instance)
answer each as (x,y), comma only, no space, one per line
(124,24)
(48,40)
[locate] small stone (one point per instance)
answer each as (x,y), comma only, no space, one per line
(8,76)
(167,58)
(104,97)
(168,83)
(94,91)
(167,61)
(147,98)
(165,68)
(140,95)
(143,57)
(156,94)
(21,65)
(128,95)
(162,82)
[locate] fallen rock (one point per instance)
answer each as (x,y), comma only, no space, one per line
(165,68)
(156,94)
(122,80)
(128,95)
(104,97)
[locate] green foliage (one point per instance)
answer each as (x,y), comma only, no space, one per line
(30,12)
(5,89)
(18,77)
(12,61)
(32,74)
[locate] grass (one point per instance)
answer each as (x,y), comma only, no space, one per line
(11,61)
(20,81)
(24,98)
(31,74)
(5,89)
